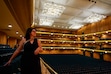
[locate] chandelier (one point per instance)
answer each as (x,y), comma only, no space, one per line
(46,22)
(51,9)
(94,18)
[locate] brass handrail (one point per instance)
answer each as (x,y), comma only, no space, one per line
(48,66)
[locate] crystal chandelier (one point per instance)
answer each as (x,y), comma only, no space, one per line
(51,9)
(46,22)
(94,18)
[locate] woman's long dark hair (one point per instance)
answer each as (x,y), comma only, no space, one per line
(27,35)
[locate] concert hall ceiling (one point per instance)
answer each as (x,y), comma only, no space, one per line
(58,14)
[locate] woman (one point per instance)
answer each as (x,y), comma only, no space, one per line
(30,61)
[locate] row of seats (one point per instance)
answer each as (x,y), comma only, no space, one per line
(92,47)
(105,48)
(87,40)
(4,46)
(5,49)
(94,40)
(105,38)
(13,68)
(5,53)
(76,64)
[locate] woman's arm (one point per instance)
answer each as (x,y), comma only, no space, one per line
(16,52)
(39,49)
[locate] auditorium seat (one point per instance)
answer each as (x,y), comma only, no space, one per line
(105,48)
(5,54)
(76,64)
(13,68)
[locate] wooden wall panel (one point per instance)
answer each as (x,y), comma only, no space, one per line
(12,42)
(80,52)
(92,27)
(105,36)
(96,55)
(3,38)
(106,45)
(22,11)
(107,57)
(87,53)
(103,25)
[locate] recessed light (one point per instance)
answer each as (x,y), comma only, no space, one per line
(17,32)
(105,52)
(106,31)
(20,35)
(9,25)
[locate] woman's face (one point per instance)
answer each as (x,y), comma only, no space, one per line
(33,32)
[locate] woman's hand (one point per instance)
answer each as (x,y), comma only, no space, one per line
(16,52)
(36,51)
(8,63)
(39,49)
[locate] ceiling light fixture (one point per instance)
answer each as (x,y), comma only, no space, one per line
(75,26)
(93,1)
(94,18)
(20,35)
(51,9)
(17,32)
(46,22)
(10,26)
